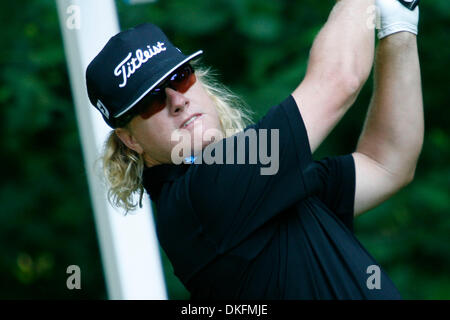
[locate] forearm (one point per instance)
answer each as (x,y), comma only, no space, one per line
(394,127)
(344,48)
(340,61)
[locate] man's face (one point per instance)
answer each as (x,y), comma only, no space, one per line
(153,137)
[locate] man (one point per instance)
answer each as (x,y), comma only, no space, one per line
(229,230)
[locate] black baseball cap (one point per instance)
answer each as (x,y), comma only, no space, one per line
(130,65)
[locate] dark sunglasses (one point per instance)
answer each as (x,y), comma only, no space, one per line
(180,80)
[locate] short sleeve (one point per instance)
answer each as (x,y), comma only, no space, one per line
(232,200)
(336,176)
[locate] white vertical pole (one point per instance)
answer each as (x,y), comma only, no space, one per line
(128,244)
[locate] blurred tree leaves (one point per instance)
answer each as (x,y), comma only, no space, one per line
(260,49)
(46,223)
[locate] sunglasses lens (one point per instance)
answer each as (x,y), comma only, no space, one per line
(181,80)
(154,102)
(186,83)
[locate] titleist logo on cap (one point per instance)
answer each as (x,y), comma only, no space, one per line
(130,64)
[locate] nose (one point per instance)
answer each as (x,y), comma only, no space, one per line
(176,101)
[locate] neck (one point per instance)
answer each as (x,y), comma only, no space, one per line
(149,162)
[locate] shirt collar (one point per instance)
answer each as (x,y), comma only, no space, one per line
(155,177)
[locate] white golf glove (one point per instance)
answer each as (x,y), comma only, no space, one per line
(396,17)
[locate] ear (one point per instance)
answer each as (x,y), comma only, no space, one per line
(128,139)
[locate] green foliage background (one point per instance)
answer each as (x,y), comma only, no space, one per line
(260,49)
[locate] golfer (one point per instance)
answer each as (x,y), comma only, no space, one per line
(243,210)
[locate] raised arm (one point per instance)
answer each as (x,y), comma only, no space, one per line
(391,141)
(339,64)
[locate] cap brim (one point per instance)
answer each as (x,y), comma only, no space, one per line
(155,84)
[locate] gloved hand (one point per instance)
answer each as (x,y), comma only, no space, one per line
(396,17)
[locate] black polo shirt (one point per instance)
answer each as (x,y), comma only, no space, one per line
(232,233)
